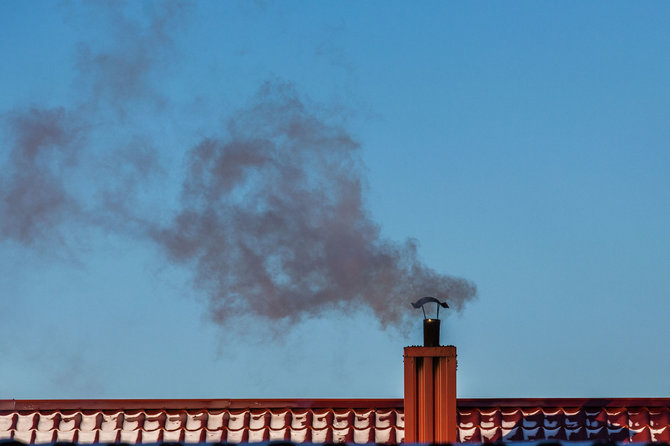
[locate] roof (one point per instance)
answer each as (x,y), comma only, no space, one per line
(194,421)
(326,421)
(568,419)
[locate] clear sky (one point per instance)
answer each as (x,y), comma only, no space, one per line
(367,153)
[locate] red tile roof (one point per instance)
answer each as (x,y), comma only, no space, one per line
(195,421)
(321,421)
(617,420)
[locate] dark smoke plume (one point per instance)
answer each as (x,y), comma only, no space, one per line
(34,201)
(273,216)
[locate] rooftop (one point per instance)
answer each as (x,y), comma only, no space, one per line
(327,420)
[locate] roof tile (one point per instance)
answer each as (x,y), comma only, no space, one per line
(322,420)
(132,421)
(111,422)
(24,436)
(384,435)
(7,422)
(661,435)
(300,435)
(90,422)
(659,418)
(641,435)
(173,436)
(363,420)
(301,419)
(258,420)
(47,421)
(278,434)
(26,421)
(468,434)
(151,436)
(131,436)
(553,419)
(343,420)
(511,418)
(280,420)
(574,418)
(86,437)
(551,433)
(196,420)
(153,421)
(237,421)
(110,436)
(214,436)
(617,417)
(384,419)
(599,433)
(45,436)
(344,435)
(238,436)
(618,434)
(578,434)
(66,436)
(216,420)
(68,422)
(400,419)
(491,434)
(194,436)
(490,419)
(321,435)
(514,434)
(639,417)
(174,421)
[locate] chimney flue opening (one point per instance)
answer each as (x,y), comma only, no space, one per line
(431,332)
(431,327)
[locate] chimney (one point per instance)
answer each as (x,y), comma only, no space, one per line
(430,386)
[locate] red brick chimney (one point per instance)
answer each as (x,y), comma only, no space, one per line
(430,394)
(430,384)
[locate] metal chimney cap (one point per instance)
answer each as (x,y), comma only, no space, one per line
(424,300)
(431,327)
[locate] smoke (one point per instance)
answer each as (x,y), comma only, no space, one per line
(121,75)
(272,215)
(50,149)
(34,200)
(274,220)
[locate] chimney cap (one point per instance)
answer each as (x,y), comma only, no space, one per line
(424,300)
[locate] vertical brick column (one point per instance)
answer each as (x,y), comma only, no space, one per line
(430,394)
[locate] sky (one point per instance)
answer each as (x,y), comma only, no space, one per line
(241,199)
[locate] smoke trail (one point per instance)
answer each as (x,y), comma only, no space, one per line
(51,146)
(273,217)
(34,200)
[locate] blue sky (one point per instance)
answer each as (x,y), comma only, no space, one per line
(523,146)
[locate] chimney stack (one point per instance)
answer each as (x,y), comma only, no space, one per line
(430,386)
